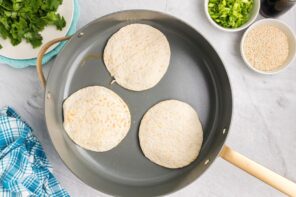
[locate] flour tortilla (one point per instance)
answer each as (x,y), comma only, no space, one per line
(96,118)
(137,56)
(171,134)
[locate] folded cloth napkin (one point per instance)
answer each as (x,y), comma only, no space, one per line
(24,168)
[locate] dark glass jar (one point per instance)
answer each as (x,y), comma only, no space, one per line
(274,8)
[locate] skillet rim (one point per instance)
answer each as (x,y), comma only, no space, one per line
(230,99)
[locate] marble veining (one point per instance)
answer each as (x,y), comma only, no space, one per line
(263,125)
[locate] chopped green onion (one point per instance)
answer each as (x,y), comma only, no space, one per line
(230,13)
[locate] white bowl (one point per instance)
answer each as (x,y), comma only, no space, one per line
(291,38)
(254,14)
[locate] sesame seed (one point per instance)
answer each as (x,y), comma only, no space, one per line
(266,48)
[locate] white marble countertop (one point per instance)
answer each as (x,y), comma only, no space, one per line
(264,115)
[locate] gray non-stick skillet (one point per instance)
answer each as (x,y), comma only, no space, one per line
(196,75)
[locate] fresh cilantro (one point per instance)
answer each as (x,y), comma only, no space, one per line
(230,13)
(25,19)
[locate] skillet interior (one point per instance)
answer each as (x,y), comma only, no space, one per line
(196,75)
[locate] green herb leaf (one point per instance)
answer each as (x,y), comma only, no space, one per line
(25,19)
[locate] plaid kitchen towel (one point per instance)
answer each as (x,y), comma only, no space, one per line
(24,168)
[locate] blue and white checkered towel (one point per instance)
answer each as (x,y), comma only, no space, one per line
(24,168)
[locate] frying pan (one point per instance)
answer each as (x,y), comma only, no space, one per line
(196,75)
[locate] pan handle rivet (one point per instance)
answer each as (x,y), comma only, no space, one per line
(80,34)
(207,161)
(224,131)
(48,96)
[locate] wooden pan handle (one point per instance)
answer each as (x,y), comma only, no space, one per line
(269,177)
(40,57)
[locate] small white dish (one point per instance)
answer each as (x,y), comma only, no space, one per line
(291,39)
(25,51)
(254,14)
